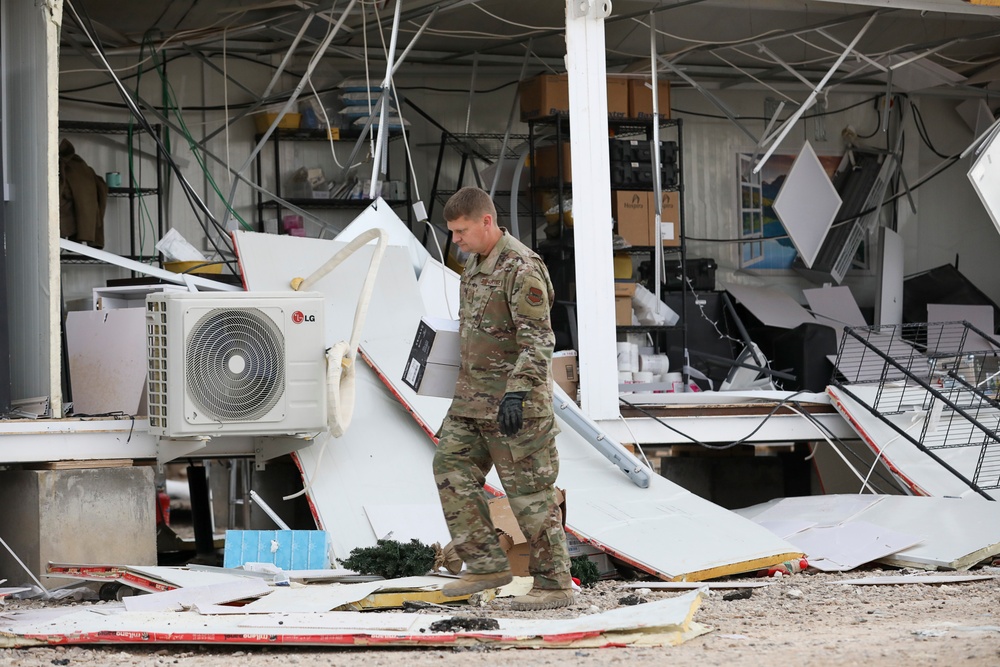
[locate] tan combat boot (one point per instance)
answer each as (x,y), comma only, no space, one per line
(543,598)
(471,583)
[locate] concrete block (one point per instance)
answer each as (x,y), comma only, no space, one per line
(90,515)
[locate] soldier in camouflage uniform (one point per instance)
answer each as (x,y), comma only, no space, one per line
(502,411)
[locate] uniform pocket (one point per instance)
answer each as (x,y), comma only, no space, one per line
(494,318)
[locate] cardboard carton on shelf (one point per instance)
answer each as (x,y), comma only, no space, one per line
(566,372)
(623,311)
(640,98)
(625,288)
(546,164)
(670,218)
(632,213)
(544,95)
(547,95)
(617,98)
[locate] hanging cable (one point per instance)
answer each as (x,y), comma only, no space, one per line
(137,112)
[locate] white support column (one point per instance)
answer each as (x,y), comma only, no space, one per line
(588,112)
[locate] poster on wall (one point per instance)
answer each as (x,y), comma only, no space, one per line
(766,244)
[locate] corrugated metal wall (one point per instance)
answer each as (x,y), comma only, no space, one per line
(30,58)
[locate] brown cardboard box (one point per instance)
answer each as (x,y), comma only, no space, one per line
(640,98)
(632,213)
(548,94)
(566,372)
(512,540)
(617,97)
(544,95)
(547,165)
(623,311)
(625,288)
(670,217)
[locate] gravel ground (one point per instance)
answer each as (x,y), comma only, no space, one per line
(803,619)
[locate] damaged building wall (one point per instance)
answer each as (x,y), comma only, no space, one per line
(30,43)
(951,220)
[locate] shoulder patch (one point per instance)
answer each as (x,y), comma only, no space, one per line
(532,299)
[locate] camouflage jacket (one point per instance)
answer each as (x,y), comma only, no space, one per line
(506,336)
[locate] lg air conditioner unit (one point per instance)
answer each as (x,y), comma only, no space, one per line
(236,363)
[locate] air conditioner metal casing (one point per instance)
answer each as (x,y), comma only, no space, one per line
(244,363)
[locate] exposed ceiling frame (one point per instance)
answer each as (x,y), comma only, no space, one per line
(607,21)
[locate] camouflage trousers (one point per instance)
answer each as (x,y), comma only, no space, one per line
(527,465)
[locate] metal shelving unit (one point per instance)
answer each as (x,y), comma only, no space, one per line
(484,148)
(314,135)
(133,194)
(558,249)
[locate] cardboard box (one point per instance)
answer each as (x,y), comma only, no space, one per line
(632,213)
(544,95)
(617,97)
(625,288)
(623,311)
(578,548)
(547,164)
(432,368)
(512,540)
(548,94)
(640,98)
(566,372)
(290,121)
(623,266)
(670,218)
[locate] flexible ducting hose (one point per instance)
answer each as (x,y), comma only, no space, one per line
(340,358)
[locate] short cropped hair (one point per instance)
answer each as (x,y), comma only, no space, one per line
(469,202)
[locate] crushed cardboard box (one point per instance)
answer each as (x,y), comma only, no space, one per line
(512,540)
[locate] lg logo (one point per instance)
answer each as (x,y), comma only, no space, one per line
(299,318)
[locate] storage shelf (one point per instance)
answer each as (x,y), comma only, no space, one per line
(100,127)
(314,134)
(486,147)
(125,192)
(313,202)
(648,249)
(648,328)
(72,258)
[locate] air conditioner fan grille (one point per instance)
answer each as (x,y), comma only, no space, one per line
(235,364)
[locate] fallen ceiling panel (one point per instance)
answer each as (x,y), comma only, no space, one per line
(964,531)
(660,623)
(664,529)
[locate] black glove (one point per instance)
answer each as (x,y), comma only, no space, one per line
(511,414)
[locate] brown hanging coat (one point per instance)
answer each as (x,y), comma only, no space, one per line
(83,197)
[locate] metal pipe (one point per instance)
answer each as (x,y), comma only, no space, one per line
(657,185)
(812,96)
(568,411)
(270,86)
(288,105)
(383,132)
(711,98)
(510,125)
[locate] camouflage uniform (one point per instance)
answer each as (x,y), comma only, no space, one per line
(506,346)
